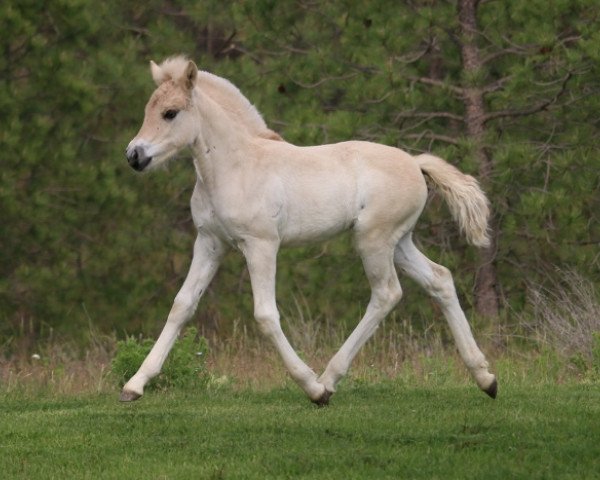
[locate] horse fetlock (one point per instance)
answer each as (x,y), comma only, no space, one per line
(328,384)
(480,372)
(132,390)
(307,379)
(485,380)
(136,384)
(330,379)
(477,363)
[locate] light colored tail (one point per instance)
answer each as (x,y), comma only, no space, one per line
(467,202)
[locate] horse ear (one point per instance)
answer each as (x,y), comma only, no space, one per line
(191,72)
(158,75)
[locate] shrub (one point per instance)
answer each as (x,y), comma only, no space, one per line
(184,368)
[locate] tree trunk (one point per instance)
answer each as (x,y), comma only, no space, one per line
(486,296)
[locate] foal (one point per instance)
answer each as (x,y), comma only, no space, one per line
(257,193)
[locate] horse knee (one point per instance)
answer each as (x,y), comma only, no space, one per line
(392,297)
(181,310)
(388,295)
(268,321)
(395,294)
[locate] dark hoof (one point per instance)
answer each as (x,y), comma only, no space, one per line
(128,396)
(323,400)
(492,390)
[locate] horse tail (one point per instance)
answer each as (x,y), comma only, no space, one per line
(467,202)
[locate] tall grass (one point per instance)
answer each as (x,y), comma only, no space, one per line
(566,319)
(554,344)
(568,316)
(59,367)
(244,359)
(397,350)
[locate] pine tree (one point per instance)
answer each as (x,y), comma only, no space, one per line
(507,91)
(471,81)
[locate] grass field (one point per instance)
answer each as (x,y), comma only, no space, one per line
(370,431)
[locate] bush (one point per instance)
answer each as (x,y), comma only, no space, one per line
(184,368)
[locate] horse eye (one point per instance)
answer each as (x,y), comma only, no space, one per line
(170,114)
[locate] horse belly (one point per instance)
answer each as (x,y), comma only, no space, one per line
(318,214)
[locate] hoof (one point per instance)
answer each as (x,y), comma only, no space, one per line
(492,390)
(128,396)
(323,400)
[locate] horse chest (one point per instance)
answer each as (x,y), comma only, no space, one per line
(230,225)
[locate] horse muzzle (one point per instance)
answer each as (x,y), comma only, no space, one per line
(137,158)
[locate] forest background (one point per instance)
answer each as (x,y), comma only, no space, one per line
(504,90)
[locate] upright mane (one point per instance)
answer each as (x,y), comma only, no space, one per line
(226,94)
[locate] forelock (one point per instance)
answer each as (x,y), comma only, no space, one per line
(169,94)
(174,67)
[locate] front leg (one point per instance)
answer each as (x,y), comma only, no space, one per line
(207,256)
(261,256)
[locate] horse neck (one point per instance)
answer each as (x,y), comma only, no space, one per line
(219,143)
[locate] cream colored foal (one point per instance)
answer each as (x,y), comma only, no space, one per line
(257,193)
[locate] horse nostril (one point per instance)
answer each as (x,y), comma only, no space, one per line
(137,158)
(133,155)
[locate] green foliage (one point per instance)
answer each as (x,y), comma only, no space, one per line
(130,355)
(184,368)
(84,238)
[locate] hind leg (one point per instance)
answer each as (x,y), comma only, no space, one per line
(437,280)
(377,259)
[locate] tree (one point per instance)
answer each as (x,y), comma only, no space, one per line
(472,81)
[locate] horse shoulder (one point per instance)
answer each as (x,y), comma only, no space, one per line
(201,206)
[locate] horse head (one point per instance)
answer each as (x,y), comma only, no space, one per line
(168,124)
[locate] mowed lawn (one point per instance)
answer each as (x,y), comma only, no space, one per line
(370,431)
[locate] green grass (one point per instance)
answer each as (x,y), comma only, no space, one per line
(369,431)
